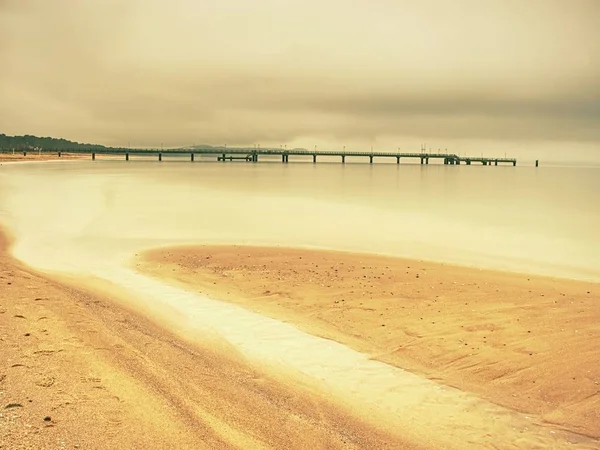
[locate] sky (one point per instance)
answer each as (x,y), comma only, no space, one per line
(471,76)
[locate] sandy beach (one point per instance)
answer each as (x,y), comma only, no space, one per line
(524,342)
(415,354)
(79,370)
(34,156)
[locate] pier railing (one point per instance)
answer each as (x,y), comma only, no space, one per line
(253,154)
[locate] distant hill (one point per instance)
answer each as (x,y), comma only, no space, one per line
(221,147)
(29,142)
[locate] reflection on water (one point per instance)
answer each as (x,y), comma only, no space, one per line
(532,220)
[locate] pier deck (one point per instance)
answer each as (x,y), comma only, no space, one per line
(253,154)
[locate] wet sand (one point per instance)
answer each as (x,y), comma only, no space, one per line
(82,370)
(527,343)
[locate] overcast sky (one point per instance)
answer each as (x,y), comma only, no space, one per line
(505,75)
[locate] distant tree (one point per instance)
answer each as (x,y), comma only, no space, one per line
(28,142)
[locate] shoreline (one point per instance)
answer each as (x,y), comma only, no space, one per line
(86,369)
(559,275)
(504,343)
(44,157)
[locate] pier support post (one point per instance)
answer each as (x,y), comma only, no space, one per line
(370,159)
(514,163)
(426,160)
(314,158)
(160,156)
(59,154)
(191,157)
(397,160)
(343,159)
(126,156)
(422,160)
(496,162)
(223,157)
(537,163)
(93,156)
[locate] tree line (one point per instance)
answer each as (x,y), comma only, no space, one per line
(29,142)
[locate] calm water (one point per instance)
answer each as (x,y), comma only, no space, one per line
(73,215)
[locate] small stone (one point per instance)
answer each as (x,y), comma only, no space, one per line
(47,419)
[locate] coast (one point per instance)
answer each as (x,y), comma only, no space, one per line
(524,342)
(81,370)
(34,156)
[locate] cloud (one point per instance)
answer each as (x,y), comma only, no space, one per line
(184,71)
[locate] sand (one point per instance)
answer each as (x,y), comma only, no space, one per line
(81,370)
(524,342)
(34,156)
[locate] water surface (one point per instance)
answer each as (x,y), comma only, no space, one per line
(543,220)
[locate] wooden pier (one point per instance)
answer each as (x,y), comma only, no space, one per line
(255,154)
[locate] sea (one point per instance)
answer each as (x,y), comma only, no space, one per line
(534,220)
(88,218)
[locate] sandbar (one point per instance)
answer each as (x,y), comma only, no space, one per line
(528,343)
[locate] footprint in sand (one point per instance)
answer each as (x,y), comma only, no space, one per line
(46,382)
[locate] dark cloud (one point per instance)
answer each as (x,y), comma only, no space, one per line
(184,71)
